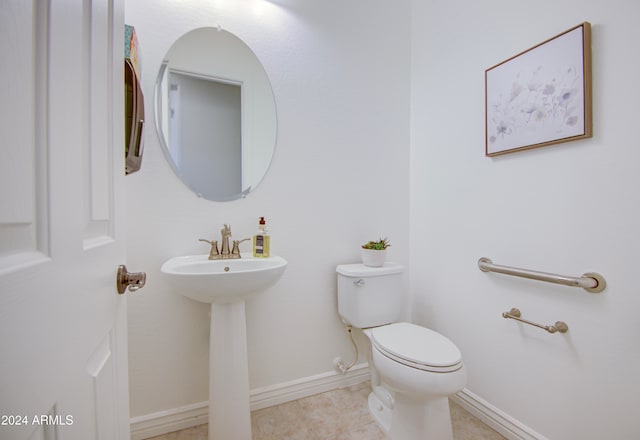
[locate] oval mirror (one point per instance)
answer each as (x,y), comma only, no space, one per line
(215,114)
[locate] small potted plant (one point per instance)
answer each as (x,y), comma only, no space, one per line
(374,253)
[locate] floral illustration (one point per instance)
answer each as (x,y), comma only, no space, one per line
(538,96)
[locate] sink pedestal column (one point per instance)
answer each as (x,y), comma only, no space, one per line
(229,410)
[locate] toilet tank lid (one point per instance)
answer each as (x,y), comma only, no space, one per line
(360,270)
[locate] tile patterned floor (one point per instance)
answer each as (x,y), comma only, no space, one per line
(335,415)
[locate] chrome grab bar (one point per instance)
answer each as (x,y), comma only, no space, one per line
(591,281)
(559,326)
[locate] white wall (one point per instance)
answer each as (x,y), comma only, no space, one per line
(569,209)
(340,176)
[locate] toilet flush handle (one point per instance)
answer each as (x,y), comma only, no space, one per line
(359,282)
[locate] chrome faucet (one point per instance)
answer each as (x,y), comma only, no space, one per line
(224,253)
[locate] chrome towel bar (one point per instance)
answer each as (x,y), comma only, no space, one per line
(559,326)
(591,282)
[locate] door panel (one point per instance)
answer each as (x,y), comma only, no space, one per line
(63,364)
(23,201)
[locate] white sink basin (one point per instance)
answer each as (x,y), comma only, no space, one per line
(222,281)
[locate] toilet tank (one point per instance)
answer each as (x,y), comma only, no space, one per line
(370,296)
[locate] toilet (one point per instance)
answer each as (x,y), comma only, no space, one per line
(413,369)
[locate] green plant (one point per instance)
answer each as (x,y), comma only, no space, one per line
(379,245)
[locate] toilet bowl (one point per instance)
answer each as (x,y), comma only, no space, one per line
(422,368)
(413,369)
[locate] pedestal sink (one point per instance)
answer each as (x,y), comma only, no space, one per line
(226,284)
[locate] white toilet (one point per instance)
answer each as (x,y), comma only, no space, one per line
(413,369)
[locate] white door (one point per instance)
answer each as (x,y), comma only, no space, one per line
(63,351)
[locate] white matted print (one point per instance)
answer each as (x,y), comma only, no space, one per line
(541,96)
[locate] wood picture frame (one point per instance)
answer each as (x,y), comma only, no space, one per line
(541,96)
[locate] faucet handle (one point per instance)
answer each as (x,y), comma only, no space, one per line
(236,247)
(214,254)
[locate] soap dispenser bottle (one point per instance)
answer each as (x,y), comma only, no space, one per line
(261,241)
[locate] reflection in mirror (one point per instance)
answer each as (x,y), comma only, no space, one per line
(215,114)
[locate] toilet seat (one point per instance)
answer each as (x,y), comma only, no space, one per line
(417,347)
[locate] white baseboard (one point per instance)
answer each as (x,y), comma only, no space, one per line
(151,425)
(308,386)
(499,421)
(175,419)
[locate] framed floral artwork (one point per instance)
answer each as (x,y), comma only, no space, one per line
(541,96)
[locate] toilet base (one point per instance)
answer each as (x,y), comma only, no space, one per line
(413,420)
(380,413)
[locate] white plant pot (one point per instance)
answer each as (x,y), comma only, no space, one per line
(372,257)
